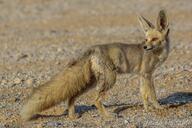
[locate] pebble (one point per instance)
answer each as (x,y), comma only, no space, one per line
(53,124)
(21,56)
(17,81)
(27,56)
(3,82)
(59,50)
(17,99)
(57,63)
(126,121)
(29,81)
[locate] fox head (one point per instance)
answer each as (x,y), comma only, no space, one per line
(155,36)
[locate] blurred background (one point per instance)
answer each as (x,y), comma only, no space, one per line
(39,37)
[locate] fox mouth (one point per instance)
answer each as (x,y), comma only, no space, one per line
(146,48)
(149,48)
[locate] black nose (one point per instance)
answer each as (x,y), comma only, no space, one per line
(145,47)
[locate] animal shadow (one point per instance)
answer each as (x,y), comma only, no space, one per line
(174,100)
(177,99)
(78,109)
(84,108)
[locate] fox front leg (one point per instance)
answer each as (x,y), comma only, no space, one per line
(153,96)
(144,90)
(148,92)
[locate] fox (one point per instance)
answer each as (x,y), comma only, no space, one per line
(98,67)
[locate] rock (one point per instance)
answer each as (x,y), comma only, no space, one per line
(59,49)
(53,124)
(29,81)
(21,56)
(17,99)
(57,62)
(3,82)
(133,126)
(126,121)
(17,81)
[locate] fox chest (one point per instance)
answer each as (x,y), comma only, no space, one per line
(151,62)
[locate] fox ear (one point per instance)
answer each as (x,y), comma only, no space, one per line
(162,21)
(166,32)
(145,24)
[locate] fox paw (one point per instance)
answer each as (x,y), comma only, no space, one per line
(74,116)
(158,106)
(110,116)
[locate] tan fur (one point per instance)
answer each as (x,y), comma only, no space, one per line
(142,58)
(63,86)
(98,66)
(73,81)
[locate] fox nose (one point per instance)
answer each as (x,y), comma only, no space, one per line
(145,47)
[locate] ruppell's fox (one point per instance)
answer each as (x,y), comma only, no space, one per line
(98,67)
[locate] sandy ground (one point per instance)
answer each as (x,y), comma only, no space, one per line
(39,37)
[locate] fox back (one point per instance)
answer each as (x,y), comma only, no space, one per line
(145,56)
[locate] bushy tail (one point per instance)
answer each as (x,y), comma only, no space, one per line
(63,86)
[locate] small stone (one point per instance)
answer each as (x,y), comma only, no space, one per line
(17,99)
(59,50)
(57,63)
(126,121)
(133,126)
(17,81)
(53,124)
(21,56)
(29,81)
(3,82)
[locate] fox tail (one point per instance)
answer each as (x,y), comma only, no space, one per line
(63,86)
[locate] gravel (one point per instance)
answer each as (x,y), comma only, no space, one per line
(39,37)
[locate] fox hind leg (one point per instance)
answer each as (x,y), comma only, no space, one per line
(71,109)
(100,106)
(105,74)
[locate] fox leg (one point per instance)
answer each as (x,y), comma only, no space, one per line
(71,109)
(102,87)
(100,106)
(148,91)
(105,74)
(100,94)
(144,90)
(153,96)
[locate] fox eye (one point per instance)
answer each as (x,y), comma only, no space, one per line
(154,39)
